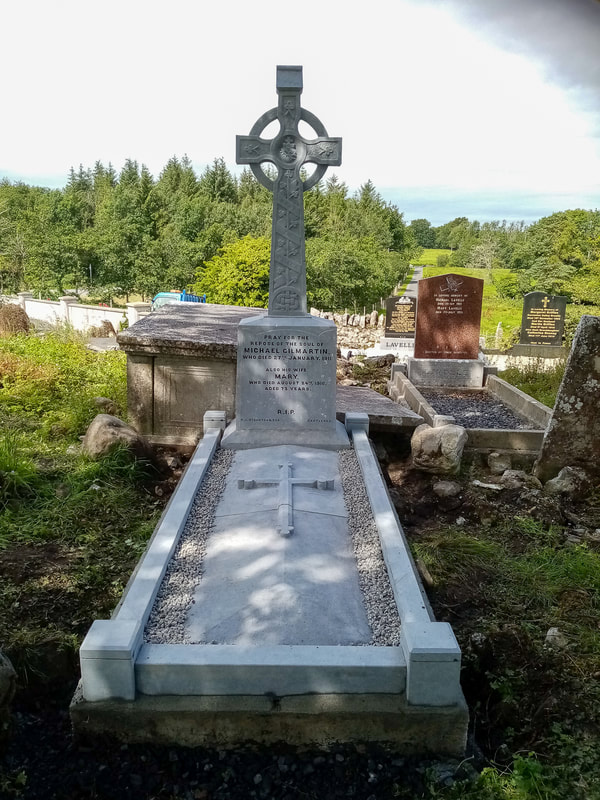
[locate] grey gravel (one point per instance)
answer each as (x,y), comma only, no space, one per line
(373,579)
(475,409)
(167,620)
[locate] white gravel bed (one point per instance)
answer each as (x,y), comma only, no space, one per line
(166,624)
(373,579)
(167,619)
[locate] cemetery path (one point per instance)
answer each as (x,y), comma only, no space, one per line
(413,285)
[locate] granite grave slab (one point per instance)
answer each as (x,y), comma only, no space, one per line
(264,584)
(543,319)
(449,317)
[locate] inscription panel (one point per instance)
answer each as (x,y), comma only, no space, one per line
(183,392)
(449,317)
(400,317)
(543,319)
(286,375)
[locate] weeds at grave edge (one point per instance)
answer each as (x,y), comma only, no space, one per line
(71,528)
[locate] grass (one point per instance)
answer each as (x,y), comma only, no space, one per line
(85,521)
(429,257)
(539,383)
(537,708)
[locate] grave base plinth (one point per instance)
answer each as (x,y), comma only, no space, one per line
(319,721)
(442,372)
(335,438)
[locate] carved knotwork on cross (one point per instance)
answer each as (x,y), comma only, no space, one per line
(288,151)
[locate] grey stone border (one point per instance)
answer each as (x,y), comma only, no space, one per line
(426,667)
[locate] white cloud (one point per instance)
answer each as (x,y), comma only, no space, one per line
(420,97)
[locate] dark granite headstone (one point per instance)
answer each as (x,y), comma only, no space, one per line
(449,317)
(543,319)
(400,314)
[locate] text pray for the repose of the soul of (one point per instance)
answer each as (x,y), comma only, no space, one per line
(295,348)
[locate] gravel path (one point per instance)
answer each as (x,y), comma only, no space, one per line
(167,620)
(475,409)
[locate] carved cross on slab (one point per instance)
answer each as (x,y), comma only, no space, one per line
(288,151)
(286,485)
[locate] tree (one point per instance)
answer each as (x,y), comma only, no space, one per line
(559,252)
(462,239)
(51,239)
(238,275)
(423,233)
(482,255)
(345,271)
(442,233)
(126,229)
(218,183)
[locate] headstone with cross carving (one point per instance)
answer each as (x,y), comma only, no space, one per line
(286,367)
(543,319)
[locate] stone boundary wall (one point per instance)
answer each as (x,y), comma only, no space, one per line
(372,320)
(79,315)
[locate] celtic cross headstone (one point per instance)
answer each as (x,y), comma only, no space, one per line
(286,359)
(288,151)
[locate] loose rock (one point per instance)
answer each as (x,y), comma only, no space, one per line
(447,488)
(570,480)
(438,450)
(556,638)
(106,433)
(495,486)
(499,463)
(518,478)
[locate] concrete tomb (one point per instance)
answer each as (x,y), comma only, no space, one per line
(277,599)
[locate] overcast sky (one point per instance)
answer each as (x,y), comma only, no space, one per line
(483,108)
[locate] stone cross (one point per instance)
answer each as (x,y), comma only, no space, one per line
(288,151)
(286,485)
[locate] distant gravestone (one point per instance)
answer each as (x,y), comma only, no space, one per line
(400,316)
(448,317)
(543,319)
(572,437)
